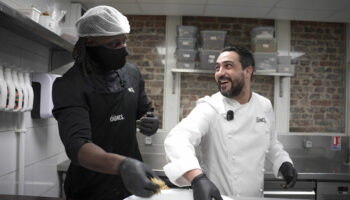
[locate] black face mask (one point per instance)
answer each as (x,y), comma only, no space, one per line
(109,59)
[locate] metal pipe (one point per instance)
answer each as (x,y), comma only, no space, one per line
(20,130)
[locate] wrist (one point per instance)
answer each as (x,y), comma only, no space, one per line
(197,178)
(119,163)
(190,175)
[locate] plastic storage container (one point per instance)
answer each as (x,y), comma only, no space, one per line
(186,31)
(262,32)
(264,45)
(214,40)
(284,59)
(186,43)
(47,22)
(32,13)
(188,55)
(265,62)
(207,59)
(284,68)
(186,65)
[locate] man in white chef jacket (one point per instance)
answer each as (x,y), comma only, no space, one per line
(222,144)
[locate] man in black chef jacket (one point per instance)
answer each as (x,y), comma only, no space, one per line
(97,103)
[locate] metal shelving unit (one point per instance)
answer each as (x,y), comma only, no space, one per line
(21,25)
(201,71)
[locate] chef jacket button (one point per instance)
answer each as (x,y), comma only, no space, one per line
(267,151)
(233,157)
(261,190)
(235,177)
(263,170)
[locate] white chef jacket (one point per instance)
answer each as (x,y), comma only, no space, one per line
(231,153)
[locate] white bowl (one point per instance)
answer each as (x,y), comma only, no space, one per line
(171,194)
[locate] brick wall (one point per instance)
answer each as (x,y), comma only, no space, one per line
(195,86)
(318,87)
(146,43)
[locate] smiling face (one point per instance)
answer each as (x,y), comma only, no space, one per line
(230,76)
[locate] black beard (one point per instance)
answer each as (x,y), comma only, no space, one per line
(235,90)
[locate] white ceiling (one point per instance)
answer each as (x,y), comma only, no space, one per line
(310,10)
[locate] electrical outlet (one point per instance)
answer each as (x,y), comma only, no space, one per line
(307,144)
(148,140)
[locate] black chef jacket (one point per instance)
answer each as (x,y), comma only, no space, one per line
(72,110)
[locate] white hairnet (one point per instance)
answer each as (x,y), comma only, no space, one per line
(102,21)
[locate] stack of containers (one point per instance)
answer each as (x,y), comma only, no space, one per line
(186,44)
(264,47)
(212,44)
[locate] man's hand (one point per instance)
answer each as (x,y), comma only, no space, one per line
(149,124)
(289,174)
(136,177)
(204,189)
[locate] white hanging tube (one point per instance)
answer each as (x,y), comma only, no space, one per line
(3,89)
(11,89)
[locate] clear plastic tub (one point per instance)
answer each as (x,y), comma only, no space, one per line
(264,45)
(265,62)
(186,65)
(284,59)
(285,68)
(32,13)
(262,32)
(207,59)
(214,40)
(186,31)
(186,43)
(188,55)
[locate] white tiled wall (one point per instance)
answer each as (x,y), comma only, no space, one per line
(43,147)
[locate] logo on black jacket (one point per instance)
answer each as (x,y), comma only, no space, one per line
(260,119)
(115,118)
(131,90)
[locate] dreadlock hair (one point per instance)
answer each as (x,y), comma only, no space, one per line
(80,55)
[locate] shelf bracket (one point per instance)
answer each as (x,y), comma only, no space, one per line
(281,86)
(173,74)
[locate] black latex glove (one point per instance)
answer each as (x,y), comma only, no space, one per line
(149,124)
(136,177)
(204,189)
(289,174)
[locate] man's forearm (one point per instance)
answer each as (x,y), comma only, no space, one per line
(95,158)
(189,175)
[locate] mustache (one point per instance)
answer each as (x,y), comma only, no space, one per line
(221,78)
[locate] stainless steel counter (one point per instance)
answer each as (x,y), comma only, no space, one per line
(311,171)
(321,169)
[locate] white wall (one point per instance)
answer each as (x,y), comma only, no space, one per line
(44,149)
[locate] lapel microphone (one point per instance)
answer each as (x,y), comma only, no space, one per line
(230,115)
